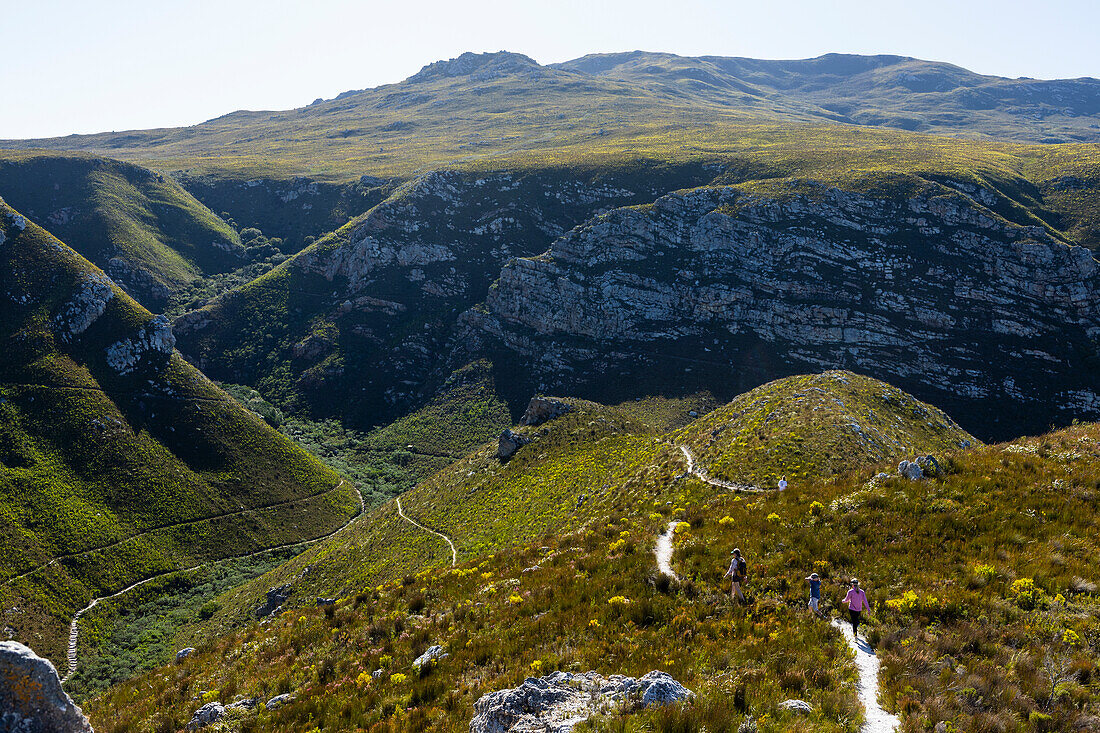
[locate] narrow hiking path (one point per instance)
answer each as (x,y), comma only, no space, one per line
(701,473)
(876,720)
(454,552)
(663,550)
(176,525)
(74,626)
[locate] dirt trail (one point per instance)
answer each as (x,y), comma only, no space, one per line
(663,550)
(454,552)
(877,719)
(701,473)
(74,627)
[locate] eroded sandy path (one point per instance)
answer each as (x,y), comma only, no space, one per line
(877,720)
(701,473)
(663,550)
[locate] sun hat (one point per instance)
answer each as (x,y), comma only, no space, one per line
(813,575)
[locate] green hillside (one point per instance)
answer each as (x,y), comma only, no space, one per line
(814,427)
(980,580)
(119,460)
(139,226)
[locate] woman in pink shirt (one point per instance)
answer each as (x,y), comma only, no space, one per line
(857,604)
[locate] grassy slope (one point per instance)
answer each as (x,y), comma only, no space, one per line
(118,211)
(969,647)
(91,458)
(815,426)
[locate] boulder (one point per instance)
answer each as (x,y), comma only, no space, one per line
(247,703)
(31,698)
(929,465)
(276,597)
(509,443)
(279,700)
(911,470)
(543,409)
(559,701)
(326,601)
(797,706)
(209,713)
(184,653)
(429,657)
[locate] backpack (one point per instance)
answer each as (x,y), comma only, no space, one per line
(742,568)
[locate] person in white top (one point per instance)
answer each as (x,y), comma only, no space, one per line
(783,483)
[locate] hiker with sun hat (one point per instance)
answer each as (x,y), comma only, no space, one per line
(739,569)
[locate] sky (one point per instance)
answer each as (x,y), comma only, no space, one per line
(74,66)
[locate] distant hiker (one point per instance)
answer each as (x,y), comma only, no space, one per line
(857,604)
(815,593)
(783,483)
(737,573)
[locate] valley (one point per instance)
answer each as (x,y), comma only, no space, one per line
(347,416)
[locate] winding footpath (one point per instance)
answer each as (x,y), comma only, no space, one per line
(876,720)
(74,626)
(454,552)
(701,473)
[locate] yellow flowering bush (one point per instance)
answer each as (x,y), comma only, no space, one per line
(397,678)
(1026,593)
(618,600)
(725,520)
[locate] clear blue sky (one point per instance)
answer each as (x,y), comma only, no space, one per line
(81,66)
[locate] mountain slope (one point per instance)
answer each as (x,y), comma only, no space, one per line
(145,231)
(495,107)
(879,91)
(590,462)
(121,461)
(980,580)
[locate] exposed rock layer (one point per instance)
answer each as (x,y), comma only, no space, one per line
(934,292)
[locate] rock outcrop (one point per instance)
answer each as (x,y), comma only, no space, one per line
(432,655)
(508,443)
(275,598)
(154,338)
(31,698)
(558,702)
(84,307)
(927,288)
(209,713)
(543,409)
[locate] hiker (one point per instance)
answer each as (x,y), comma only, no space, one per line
(815,593)
(857,604)
(739,569)
(783,483)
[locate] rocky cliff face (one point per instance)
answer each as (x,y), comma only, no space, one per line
(932,291)
(370,310)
